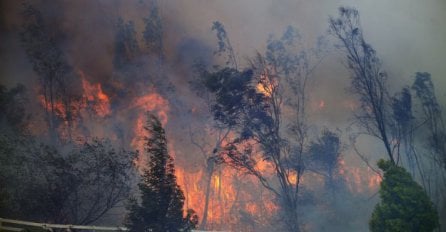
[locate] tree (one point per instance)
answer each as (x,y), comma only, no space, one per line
(404,205)
(250,102)
(153,32)
(425,92)
(368,81)
(431,132)
(324,155)
(13,117)
(47,184)
(404,126)
(57,82)
(161,206)
(210,153)
(153,36)
(224,44)
(105,178)
(389,119)
(218,132)
(126,46)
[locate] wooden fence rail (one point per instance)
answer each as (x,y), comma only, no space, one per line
(50,227)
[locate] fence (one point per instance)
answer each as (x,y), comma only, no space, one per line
(14,225)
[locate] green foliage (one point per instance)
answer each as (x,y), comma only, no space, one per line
(404,205)
(162,200)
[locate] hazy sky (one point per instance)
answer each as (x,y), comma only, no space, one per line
(409,35)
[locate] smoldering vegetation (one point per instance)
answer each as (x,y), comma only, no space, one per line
(276,113)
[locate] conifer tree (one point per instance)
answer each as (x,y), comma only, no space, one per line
(161,205)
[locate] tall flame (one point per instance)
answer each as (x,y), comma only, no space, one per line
(95,97)
(92,98)
(152,102)
(231,196)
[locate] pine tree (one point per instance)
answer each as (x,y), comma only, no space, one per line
(162,200)
(404,205)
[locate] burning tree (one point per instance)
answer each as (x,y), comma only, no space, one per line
(251,103)
(210,152)
(162,200)
(57,85)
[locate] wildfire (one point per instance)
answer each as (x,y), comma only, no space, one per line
(265,86)
(360,179)
(229,195)
(152,102)
(95,97)
(264,166)
(261,88)
(292,177)
(60,110)
(92,98)
(374,179)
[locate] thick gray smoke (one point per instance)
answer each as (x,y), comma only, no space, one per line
(408,35)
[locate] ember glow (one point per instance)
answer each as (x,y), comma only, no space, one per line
(360,180)
(228,194)
(95,97)
(110,63)
(152,102)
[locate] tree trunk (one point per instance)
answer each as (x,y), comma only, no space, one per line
(210,171)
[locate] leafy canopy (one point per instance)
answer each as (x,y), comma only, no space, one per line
(404,205)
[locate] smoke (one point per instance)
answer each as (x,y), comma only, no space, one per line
(407,34)
(397,30)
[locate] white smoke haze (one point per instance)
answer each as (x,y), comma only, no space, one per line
(408,35)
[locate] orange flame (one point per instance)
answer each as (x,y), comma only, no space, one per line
(151,102)
(265,85)
(95,97)
(261,88)
(360,179)
(228,196)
